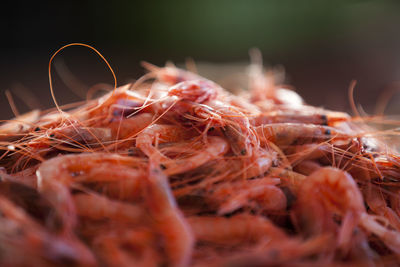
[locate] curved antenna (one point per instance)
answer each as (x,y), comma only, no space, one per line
(76,44)
(351,98)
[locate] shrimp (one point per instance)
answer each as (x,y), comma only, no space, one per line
(95,206)
(208,111)
(120,103)
(289,178)
(170,75)
(156,134)
(313,151)
(71,137)
(234,230)
(285,134)
(20,125)
(261,194)
(288,116)
(234,124)
(376,202)
(78,136)
(22,236)
(127,248)
(214,148)
(250,167)
(307,167)
(56,175)
(129,127)
(330,191)
(284,252)
(167,217)
(198,91)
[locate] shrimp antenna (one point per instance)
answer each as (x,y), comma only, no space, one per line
(353,84)
(76,44)
(191,65)
(385,97)
(12,103)
(256,56)
(149,67)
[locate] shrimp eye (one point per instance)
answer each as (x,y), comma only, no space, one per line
(324,119)
(328,132)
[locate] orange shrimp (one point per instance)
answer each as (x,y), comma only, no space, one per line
(129,127)
(284,252)
(376,202)
(208,111)
(260,194)
(234,124)
(167,217)
(121,102)
(170,74)
(214,148)
(298,133)
(19,125)
(198,91)
(24,242)
(56,175)
(74,136)
(250,167)
(330,191)
(127,248)
(95,206)
(234,230)
(294,116)
(157,134)
(307,167)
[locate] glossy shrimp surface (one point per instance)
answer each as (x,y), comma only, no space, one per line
(176,170)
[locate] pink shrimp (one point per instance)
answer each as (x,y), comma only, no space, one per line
(234,230)
(234,124)
(98,207)
(208,111)
(57,174)
(261,194)
(120,103)
(22,124)
(284,134)
(24,242)
(277,252)
(330,191)
(157,134)
(376,202)
(294,116)
(167,217)
(122,247)
(170,74)
(129,127)
(198,91)
(214,148)
(307,167)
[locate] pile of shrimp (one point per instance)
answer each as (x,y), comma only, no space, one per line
(174,170)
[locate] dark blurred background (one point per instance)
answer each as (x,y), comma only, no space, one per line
(323,45)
